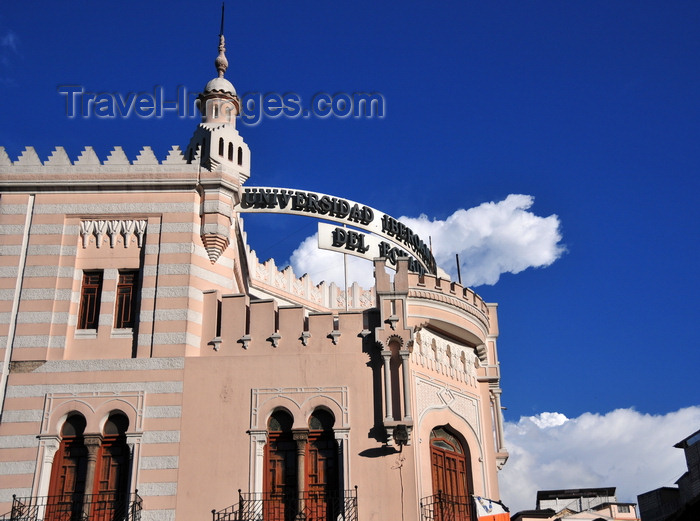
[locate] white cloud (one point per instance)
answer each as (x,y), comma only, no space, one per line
(328,265)
(491,239)
(549,419)
(623,448)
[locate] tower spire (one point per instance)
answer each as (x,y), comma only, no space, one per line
(221,62)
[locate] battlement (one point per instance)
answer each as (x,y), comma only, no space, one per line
(268,326)
(449,295)
(58,171)
(431,286)
(284,283)
(88,158)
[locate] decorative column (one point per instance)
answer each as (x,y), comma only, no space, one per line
(301,437)
(49,446)
(498,417)
(92,444)
(258,440)
(389,415)
(342,436)
(406,385)
(133,441)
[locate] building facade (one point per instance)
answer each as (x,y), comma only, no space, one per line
(154,369)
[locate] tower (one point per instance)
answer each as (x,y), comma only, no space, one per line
(221,154)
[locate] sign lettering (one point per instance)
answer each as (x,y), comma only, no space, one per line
(344,240)
(322,206)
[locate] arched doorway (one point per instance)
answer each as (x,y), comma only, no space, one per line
(69,472)
(322,472)
(451,475)
(90,472)
(111,488)
(280,483)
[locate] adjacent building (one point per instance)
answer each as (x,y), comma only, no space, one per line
(681,503)
(153,368)
(584,504)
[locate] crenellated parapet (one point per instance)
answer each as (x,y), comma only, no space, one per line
(59,172)
(431,288)
(88,157)
(268,327)
(266,277)
(217,187)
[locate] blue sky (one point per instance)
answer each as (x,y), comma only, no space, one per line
(588,107)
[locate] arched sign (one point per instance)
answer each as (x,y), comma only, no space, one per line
(366,246)
(311,204)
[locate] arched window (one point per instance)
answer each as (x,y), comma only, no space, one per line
(69,471)
(321,467)
(230,151)
(90,472)
(280,482)
(451,475)
(240,156)
(221,147)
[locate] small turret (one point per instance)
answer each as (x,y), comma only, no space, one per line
(221,154)
(216,144)
(219,102)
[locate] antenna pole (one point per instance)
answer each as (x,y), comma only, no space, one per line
(459,273)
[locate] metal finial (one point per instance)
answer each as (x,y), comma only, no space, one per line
(222,18)
(221,62)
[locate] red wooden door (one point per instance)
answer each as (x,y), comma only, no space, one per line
(67,486)
(321,476)
(280,485)
(451,477)
(110,490)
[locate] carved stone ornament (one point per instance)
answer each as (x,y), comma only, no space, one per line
(113,229)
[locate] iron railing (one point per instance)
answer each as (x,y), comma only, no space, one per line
(76,507)
(304,506)
(444,507)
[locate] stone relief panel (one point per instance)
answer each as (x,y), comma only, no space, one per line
(300,401)
(446,356)
(94,406)
(434,394)
(122,231)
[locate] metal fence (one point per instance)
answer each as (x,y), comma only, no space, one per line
(306,506)
(443,507)
(76,507)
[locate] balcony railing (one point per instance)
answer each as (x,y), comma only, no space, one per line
(305,506)
(76,507)
(444,507)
